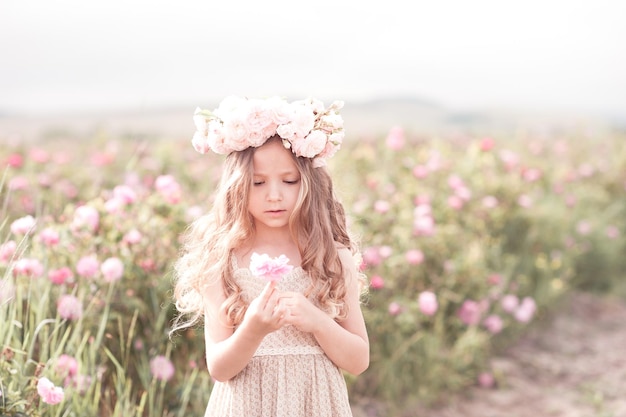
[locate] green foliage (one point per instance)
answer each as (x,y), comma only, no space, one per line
(475,225)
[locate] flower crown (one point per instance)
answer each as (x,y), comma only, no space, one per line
(305,126)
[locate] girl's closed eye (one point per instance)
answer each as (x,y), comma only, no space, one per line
(292,181)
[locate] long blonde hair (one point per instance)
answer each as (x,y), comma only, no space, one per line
(318,226)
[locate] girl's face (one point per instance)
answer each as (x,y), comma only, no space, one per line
(275,186)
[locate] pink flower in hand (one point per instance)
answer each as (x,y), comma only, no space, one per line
(272,269)
(49,393)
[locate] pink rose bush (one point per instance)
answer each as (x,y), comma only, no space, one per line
(464,242)
(61,266)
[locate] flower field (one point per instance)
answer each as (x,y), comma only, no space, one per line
(467,241)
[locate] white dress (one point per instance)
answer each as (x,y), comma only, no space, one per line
(289,374)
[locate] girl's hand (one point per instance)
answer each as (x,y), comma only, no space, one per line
(264,314)
(300,311)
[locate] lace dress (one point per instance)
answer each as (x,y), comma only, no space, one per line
(288,376)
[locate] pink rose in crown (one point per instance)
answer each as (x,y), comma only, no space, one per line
(271,269)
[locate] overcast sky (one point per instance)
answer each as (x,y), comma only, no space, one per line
(464,54)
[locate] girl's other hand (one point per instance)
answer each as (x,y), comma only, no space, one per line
(300,312)
(264,314)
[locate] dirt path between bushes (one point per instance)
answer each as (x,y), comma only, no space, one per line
(572,364)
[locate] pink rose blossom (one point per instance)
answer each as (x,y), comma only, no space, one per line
(132,237)
(60,276)
(67,188)
(494,279)
(493,323)
(23,225)
(66,366)
(49,237)
(162,368)
(525,201)
(414,256)
(509,158)
(371,256)
(463,193)
(486,144)
(612,232)
(15,160)
(381,206)
(470,312)
(427,301)
(455,202)
(272,269)
(570,201)
(86,218)
(377,282)
(193,213)
(18,183)
(509,303)
(169,189)
(423,225)
(7,250)
(69,307)
(486,380)
(148,265)
(87,266)
(125,194)
(420,171)
(586,170)
(394,308)
(312,145)
(38,155)
(422,207)
(531,174)
(49,393)
(29,267)
(200,140)
(112,269)
(526,310)
(490,202)
(114,205)
(583,228)
(101,159)
(435,161)
(395,139)
(455,182)
(385,251)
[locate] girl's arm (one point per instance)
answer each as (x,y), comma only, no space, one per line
(345,342)
(228,351)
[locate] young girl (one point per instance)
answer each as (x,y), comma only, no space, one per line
(274,348)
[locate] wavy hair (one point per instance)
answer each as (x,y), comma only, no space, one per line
(317,225)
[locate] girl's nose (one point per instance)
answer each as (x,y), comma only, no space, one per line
(274,192)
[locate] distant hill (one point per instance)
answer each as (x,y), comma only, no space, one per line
(371,118)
